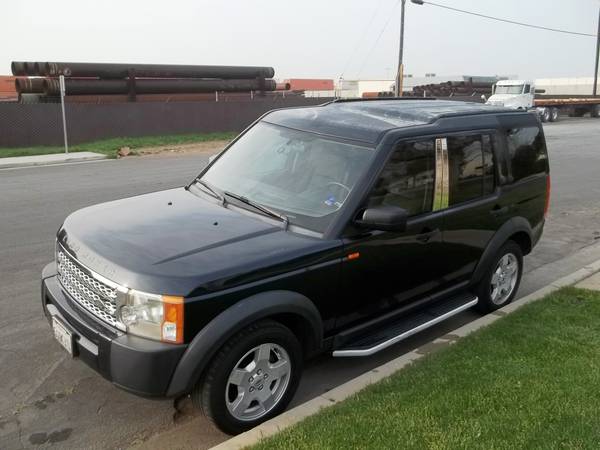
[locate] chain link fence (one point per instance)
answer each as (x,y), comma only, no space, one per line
(40,124)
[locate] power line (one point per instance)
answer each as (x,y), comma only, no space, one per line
(361,39)
(391,16)
(510,21)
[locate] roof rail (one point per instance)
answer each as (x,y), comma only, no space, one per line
(374,99)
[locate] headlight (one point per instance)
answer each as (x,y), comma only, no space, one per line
(153,316)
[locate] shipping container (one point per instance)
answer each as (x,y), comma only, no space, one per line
(7,84)
(310,84)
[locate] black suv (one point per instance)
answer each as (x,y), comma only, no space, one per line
(341,228)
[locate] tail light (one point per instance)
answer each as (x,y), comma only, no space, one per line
(547,204)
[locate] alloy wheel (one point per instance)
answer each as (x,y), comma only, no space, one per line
(504,279)
(258,382)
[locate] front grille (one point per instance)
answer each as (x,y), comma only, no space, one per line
(97,297)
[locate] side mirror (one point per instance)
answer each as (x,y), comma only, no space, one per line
(385,218)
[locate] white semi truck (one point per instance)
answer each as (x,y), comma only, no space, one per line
(520,94)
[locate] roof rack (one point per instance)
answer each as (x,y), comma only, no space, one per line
(374,99)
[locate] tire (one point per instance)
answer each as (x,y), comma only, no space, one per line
(491,299)
(553,114)
(595,111)
(545,116)
(218,393)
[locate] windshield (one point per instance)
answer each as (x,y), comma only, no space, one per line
(302,175)
(509,89)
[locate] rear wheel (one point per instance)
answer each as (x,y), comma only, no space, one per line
(595,111)
(252,379)
(501,282)
(553,114)
(545,116)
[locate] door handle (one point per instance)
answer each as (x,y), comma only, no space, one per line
(426,235)
(498,210)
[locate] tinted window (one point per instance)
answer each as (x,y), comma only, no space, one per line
(407,180)
(471,167)
(527,152)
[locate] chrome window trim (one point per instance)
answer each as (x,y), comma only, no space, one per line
(442,182)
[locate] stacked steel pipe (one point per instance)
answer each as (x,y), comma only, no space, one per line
(468,87)
(134,79)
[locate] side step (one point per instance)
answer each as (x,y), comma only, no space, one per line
(375,341)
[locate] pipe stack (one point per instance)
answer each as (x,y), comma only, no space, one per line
(468,87)
(133,79)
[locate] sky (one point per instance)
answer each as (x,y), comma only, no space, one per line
(307,38)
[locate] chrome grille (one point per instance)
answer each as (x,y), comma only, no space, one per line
(95,296)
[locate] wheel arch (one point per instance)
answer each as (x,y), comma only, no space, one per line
(523,239)
(292,309)
(517,229)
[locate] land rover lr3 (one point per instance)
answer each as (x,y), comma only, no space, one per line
(341,228)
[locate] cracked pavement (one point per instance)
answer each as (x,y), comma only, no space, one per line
(49,400)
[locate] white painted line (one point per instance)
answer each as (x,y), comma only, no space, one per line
(340,393)
(73,163)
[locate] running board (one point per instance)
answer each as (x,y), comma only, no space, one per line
(405,327)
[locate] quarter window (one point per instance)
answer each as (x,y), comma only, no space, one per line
(470,167)
(407,179)
(527,152)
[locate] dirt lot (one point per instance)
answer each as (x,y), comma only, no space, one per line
(209,147)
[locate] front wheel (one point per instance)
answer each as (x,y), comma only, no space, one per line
(252,379)
(501,282)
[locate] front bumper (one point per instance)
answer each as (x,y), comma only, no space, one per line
(141,366)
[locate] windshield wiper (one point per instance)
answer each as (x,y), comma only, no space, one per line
(210,189)
(261,208)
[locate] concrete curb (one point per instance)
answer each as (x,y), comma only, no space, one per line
(351,387)
(46,160)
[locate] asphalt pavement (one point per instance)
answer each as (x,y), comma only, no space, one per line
(47,399)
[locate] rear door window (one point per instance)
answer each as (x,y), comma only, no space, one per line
(470,167)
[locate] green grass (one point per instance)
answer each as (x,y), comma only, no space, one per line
(530,380)
(111,146)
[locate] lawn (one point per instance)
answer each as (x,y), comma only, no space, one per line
(530,380)
(111,146)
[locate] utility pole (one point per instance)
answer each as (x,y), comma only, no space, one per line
(400,72)
(597,55)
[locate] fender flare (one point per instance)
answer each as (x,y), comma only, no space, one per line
(243,313)
(513,226)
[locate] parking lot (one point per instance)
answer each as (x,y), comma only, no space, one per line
(46,398)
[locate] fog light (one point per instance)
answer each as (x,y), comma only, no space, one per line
(128,315)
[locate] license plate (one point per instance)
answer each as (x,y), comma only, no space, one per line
(63,335)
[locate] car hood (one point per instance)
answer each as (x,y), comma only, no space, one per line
(174,242)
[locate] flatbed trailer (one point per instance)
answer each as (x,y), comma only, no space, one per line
(573,106)
(521,94)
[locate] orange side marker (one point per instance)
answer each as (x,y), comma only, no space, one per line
(354,255)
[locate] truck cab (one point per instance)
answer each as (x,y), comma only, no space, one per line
(516,94)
